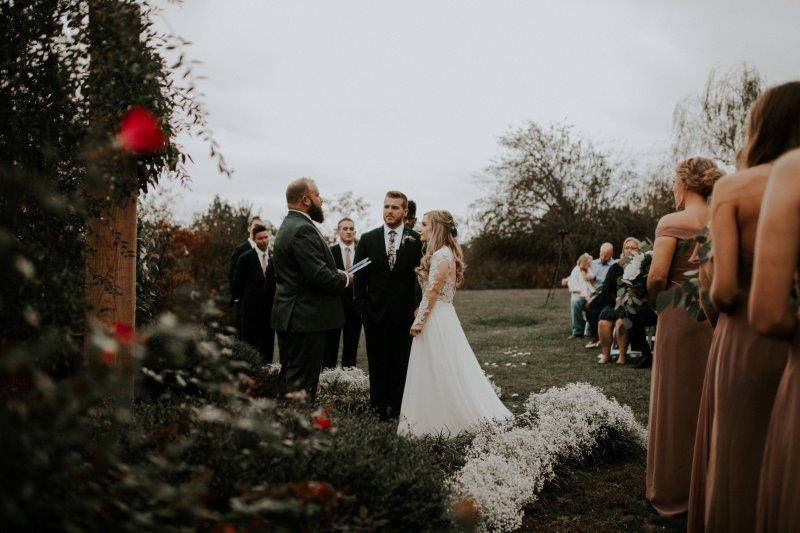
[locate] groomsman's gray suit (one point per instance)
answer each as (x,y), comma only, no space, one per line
(307,300)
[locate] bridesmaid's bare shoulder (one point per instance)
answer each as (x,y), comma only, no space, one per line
(742,183)
(679,220)
(788,166)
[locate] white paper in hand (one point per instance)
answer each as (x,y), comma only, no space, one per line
(358,266)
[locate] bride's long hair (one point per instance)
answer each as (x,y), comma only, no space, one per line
(443,233)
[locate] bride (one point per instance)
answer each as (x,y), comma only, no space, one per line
(446,391)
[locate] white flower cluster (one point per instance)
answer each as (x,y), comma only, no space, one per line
(508,464)
(341,388)
(351,379)
(634,267)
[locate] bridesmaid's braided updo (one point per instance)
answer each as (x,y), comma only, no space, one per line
(699,175)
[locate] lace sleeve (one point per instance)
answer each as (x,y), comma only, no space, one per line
(441,268)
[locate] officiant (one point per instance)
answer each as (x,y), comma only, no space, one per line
(350,334)
(307,304)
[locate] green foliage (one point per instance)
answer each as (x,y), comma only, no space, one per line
(395,478)
(687,294)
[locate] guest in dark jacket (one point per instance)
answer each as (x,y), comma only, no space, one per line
(344,255)
(247,245)
(254,288)
(610,321)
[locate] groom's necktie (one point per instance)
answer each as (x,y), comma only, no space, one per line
(392,252)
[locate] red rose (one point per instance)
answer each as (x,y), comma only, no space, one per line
(140,132)
(323,423)
(124,333)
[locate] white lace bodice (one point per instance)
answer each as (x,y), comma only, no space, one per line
(439,286)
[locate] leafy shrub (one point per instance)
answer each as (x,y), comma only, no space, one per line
(396,479)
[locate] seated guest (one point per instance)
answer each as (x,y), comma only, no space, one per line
(248,244)
(411,216)
(599,270)
(343,254)
(254,287)
(610,319)
(581,288)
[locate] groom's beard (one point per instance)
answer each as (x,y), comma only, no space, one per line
(315,213)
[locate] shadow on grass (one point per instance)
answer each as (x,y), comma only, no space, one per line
(515,321)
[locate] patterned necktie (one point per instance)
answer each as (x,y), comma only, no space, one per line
(392,252)
(263,262)
(347,261)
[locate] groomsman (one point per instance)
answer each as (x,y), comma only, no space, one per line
(386,295)
(410,219)
(343,254)
(308,304)
(254,287)
(248,244)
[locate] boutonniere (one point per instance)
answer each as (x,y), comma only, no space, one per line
(409,238)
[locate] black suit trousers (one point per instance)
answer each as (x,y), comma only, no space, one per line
(262,339)
(301,360)
(388,349)
(351,331)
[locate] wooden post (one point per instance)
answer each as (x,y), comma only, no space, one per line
(111,274)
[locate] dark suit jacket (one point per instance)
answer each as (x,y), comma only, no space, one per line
(380,291)
(254,289)
(347,294)
(308,296)
(242,248)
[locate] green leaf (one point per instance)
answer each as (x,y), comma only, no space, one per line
(663,301)
(677,296)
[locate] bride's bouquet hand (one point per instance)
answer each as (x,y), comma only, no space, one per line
(416,329)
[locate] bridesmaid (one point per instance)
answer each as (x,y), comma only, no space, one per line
(772,313)
(681,347)
(745,367)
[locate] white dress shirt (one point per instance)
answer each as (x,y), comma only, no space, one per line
(252,243)
(397,238)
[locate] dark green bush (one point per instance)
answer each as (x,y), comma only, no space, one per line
(395,478)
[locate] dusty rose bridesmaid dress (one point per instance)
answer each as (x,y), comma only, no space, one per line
(778,507)
(679,363)
(740,386)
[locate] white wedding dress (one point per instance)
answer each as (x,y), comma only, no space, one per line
(446,390)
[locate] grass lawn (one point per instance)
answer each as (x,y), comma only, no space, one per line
(525,348)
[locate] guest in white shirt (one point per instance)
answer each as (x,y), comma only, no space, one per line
(343,253)
(581,289)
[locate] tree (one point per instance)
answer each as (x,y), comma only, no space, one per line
(70,70)
(546,179)
(713,122)
(346,204)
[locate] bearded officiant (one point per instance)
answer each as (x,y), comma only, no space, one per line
(254,286)
(308,302)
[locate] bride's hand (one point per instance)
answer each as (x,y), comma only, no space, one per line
(416,329)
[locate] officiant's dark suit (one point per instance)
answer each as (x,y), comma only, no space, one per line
(350,333)
(308,302)
(255,290)
(387,297)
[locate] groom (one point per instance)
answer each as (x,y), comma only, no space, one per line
(386,295)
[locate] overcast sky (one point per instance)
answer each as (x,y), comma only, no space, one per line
(369,96)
